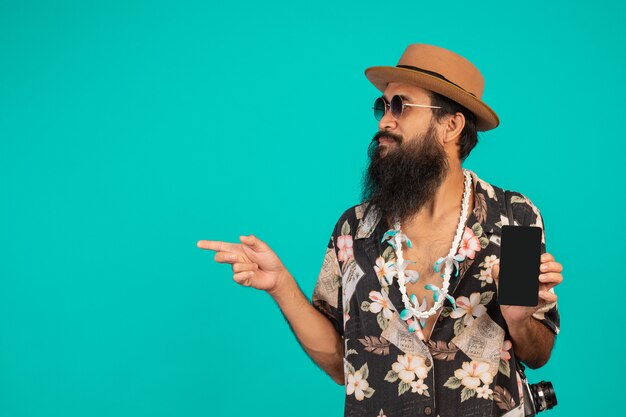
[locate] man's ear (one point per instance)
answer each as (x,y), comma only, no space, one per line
(453,127)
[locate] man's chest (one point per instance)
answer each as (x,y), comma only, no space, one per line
(424,256)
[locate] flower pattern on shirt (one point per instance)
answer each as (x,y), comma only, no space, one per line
(472,307)
(356,382)
(469,244)
(380,303)
(385,271)
(468,365)
(485,275)
(474,377)
(344,243)
(411,371)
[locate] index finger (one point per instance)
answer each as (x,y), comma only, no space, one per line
(547,257)
(216,245)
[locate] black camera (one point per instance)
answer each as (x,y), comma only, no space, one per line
(537,397)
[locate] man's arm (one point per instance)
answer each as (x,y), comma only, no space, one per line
(314,331)
(532,342)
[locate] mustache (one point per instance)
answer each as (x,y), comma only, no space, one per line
(387,135)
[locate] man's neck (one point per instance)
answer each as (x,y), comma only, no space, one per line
(446,202)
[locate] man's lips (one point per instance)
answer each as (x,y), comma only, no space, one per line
(386,141)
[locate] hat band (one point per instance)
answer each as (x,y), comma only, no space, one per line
(434,74)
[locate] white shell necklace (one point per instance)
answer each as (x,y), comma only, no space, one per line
(413,310)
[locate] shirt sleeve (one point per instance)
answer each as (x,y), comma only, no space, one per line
(549,314)
(327,295)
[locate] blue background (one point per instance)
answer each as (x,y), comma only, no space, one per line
(129,130)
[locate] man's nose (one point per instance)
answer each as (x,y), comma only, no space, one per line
(387,122)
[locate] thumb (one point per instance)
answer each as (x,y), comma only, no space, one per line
(495,273)
(254,243)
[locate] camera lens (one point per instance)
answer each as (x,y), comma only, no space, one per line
(543,395)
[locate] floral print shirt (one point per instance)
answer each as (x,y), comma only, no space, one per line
(467,367)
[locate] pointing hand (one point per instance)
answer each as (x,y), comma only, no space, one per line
(253,262)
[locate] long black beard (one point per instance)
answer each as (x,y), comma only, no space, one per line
(408,176)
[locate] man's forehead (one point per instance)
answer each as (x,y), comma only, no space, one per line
(405,90)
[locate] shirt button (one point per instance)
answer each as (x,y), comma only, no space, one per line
(428,411)
(427,362)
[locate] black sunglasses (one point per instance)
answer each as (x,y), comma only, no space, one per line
(396,105)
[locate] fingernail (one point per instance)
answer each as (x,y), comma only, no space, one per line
(232,257)
(544,267)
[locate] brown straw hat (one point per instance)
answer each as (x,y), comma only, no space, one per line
(443,72)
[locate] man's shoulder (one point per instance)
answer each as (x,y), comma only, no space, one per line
(496,192)
(358,220)
(524,210)
(488,189)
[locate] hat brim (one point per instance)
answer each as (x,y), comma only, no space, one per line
(486,118)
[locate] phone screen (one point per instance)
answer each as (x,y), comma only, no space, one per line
(520,257)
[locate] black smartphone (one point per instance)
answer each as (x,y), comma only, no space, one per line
(520,257)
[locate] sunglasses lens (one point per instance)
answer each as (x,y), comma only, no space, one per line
(379,108)
(396,106)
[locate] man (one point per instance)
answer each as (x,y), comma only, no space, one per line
(404,312)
